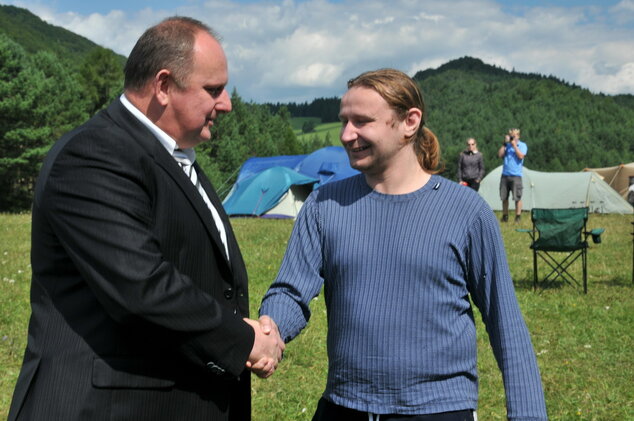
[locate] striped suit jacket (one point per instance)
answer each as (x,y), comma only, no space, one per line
(136,311)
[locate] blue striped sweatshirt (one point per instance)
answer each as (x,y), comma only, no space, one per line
(398,271)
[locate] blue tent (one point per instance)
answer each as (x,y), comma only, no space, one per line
(277,186)
(253,166)
(274,192)
(327,164)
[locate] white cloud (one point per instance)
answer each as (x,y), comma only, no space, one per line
(115,30)
(623,12)
(625,5)
(314,74)
(297,50)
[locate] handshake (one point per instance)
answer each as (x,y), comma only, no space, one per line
(268,347)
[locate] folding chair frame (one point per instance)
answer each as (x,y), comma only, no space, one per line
(559,269)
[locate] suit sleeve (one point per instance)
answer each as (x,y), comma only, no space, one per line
(97,198)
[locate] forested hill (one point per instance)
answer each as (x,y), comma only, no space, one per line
(327,109)
(34,35)
(470,64)
(567,128)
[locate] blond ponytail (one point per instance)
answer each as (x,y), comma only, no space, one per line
(427,150)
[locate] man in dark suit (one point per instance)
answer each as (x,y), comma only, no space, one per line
(139,292)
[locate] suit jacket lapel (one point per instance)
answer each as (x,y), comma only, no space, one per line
(238,268)
(232,244)
(151,144)
(198,203)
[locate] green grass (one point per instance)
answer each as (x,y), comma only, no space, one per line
(298,122)
(321,130)
(584,343)
(15,275)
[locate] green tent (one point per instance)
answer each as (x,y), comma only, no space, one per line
(557,190)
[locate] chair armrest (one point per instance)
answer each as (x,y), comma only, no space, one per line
(596,234)
(530,232)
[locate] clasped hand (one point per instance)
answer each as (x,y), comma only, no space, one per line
(267,347)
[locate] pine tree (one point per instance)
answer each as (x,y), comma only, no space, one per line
(39,100)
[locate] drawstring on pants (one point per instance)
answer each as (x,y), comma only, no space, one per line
(371,417)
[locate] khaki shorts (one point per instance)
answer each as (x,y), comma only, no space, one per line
(511,183)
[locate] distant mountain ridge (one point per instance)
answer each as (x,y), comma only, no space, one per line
(475,65)
(34,35)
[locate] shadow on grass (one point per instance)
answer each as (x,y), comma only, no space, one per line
(526,283)
(613,283)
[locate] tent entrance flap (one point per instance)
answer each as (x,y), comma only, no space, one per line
(290,204)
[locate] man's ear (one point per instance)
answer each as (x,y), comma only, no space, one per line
(412,121)
(162,84)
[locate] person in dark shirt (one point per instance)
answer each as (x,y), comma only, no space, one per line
(471,165)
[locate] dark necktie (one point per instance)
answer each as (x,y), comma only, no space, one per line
(188,167)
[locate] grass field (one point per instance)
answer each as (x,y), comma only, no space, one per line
(298,122)
(321,131)
(584,343)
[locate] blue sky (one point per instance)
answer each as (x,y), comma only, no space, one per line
(297,50)
(88,7)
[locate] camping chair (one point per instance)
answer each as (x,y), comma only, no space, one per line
(561,231)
